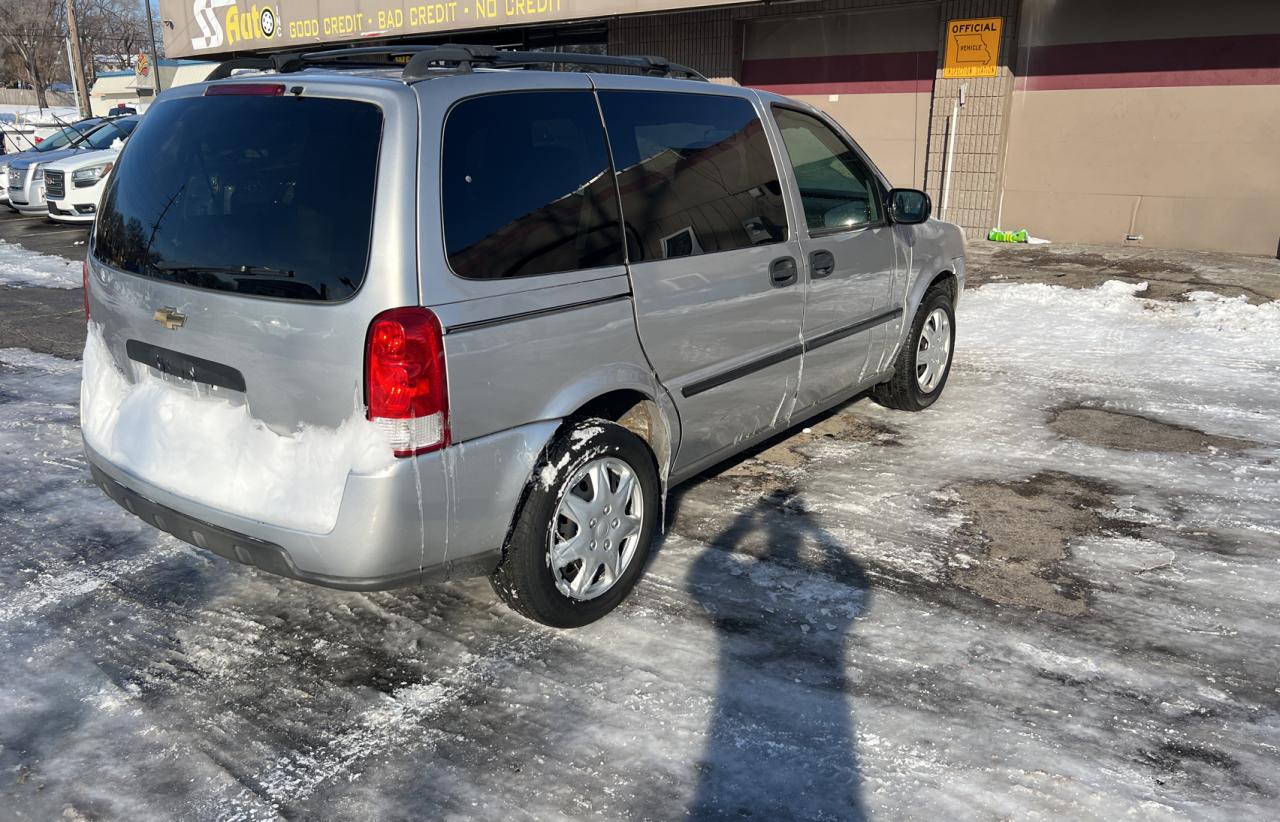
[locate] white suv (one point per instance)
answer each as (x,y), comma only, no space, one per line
(73,186)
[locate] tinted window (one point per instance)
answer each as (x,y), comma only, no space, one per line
(526,187)
(836,187)
(271,196)
(695,173)
(66,135)
(108,133)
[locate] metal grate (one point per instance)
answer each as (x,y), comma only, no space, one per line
(17,177)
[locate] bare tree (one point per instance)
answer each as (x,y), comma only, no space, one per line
(111,28)
(33,31)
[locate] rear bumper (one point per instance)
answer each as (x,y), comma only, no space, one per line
(394,528)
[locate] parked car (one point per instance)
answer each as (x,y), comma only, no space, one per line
(73,187)
(57,142)
(26,183)
(575,291)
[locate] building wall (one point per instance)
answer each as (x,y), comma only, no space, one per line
(971,191)
(868,63)
(872,70)
(874,65)
(1153,117)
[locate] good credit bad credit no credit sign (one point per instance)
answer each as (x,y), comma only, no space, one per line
(973,47)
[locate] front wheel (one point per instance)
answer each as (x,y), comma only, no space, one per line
(924,363)
(584,530)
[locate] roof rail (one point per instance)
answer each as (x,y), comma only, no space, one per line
(425,57)
(282,62)
(422,62)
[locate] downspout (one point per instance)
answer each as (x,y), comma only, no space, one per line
(952,123)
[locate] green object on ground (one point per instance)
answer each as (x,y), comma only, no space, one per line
(998,236)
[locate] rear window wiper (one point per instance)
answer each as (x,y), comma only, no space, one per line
(243,270)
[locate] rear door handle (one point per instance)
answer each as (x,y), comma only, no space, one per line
(821,264)
(782,271)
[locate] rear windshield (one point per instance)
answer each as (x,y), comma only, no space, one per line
(268,196)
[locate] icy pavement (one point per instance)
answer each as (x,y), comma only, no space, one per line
(20,266)
(1056,594)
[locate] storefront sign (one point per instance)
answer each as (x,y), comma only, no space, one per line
(973,47)
(194,28)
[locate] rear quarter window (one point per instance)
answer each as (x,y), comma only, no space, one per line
(526,187)
(263,196)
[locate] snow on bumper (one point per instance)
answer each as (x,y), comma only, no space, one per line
(341,511)
(215,453)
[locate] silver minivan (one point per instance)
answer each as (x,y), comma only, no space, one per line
(370,318)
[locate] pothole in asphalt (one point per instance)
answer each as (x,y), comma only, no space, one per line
(1023,529)
(1131,432)
(1094,263)
(1166,279)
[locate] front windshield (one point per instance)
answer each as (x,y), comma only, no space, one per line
(59,139)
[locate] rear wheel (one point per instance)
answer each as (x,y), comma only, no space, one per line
(584,531)
(924,363)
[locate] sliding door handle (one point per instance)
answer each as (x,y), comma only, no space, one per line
(821,264)
(782,271)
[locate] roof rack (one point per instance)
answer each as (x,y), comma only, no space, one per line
(422,62)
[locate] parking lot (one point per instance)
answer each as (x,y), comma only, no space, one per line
(1055,594)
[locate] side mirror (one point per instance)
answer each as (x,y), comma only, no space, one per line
(909,206)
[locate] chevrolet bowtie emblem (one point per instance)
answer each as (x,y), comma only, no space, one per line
(170,318)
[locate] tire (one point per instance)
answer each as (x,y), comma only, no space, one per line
(908,389)
(537,576)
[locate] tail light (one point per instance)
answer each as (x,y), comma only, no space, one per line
(84,271)
(405,384)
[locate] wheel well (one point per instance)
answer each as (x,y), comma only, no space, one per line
(611,406)
(947,280)
(637,413)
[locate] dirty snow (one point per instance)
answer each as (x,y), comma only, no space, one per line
(799,647)
(214,452)
(18,266)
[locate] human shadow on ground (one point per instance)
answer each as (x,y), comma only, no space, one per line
(782,594)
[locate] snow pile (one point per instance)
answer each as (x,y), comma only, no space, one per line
(18,266)
(1206,362)
(214,452)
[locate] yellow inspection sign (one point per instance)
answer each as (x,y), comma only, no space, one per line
(973,47)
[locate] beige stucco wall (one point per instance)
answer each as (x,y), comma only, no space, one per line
(892,128)
(1191,167)
(1183,160)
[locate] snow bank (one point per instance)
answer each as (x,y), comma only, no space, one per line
(1207,362)
(19,266)
(214,452)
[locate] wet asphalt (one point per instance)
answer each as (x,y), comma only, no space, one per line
(47,320)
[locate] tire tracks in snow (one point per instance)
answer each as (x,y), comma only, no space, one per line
(396,723)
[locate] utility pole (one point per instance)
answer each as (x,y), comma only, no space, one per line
(71,72)
(151,35)
(77,67)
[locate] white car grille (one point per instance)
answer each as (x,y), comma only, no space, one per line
(17,177)
(54,185)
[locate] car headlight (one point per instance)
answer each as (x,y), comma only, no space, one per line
(91,175)
(37,173)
